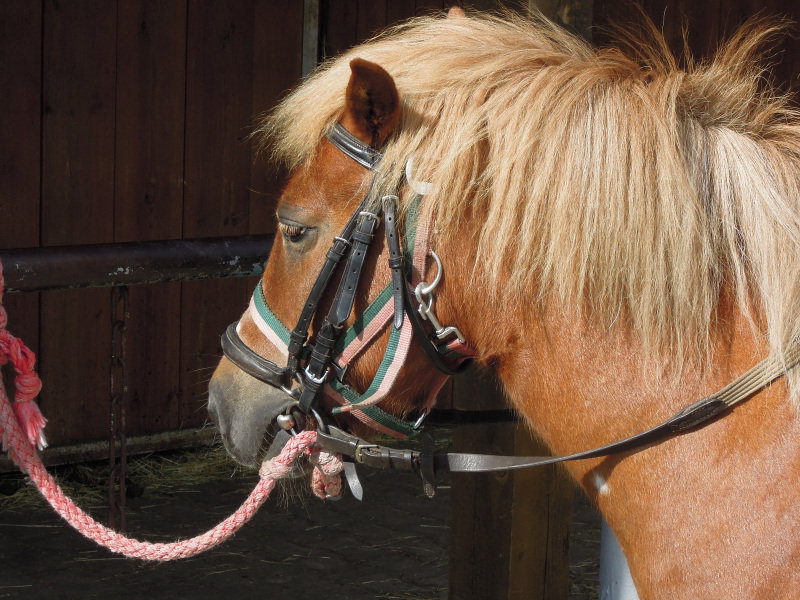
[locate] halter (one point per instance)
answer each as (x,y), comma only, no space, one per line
(319,368)
(306,375)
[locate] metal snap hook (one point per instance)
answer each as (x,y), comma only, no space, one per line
(424,294)
(425,288)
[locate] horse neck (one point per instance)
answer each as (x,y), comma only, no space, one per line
(579,388)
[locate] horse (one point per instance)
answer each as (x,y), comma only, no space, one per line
(613,232)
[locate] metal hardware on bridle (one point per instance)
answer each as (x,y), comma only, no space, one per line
(424,295)
(353,241)
(362,153)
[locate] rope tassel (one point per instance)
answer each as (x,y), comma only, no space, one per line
(26,381)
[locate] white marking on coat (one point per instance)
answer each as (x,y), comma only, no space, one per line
(600,483)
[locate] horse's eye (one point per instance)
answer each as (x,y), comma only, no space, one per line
(292,232)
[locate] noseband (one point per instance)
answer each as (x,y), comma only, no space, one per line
(307,374)
(312,368)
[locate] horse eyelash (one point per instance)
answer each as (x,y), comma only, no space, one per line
(292,232)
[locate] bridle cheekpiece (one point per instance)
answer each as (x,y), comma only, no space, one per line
(317,368)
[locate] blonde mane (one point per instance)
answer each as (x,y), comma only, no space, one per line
(623,185)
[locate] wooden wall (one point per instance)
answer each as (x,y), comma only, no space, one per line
(708,22)
(129,120)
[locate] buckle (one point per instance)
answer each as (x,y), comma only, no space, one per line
(370,215)
(314,379)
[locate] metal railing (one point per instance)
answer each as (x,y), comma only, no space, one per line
(119,266)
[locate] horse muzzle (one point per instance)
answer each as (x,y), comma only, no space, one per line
(245,412)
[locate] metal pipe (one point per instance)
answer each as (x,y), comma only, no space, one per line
(133,263)
(616,582)
(310,57)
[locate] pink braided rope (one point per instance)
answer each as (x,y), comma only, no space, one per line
(27,382)
(326,481)
(24,455)
(21,430)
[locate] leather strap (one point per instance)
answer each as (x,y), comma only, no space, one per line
(360,152)
(252,363)
(693,417)
(367,157)
(396,258)
(333,257)
(698,414)
(321,358)
(430,348)
(345,295)
(402,294)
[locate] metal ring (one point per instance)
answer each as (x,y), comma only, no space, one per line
(322,425)
(418,423)
(293,392)
(429,287)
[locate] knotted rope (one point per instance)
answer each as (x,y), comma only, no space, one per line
(26,381)
(20,432)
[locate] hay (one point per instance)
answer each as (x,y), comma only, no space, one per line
(156,473)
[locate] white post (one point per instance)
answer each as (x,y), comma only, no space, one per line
(615,577)
(310,36)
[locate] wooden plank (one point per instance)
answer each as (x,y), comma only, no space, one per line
(708,24)
(509,529)
(20,139)
(339,25)
(217,175)
(431,7)
(311,31)
(277,65)
(371,19)
(145,444)
(79,58)
(151,81)
(541,513)
(480,536)
(399,10)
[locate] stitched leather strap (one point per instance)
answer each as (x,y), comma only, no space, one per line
(333,257)
(251,363)
(420,329)
(345,295)
(322,355)
(396,258)
(360,152)
(695,416)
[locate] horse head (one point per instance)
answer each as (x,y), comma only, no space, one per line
(333,187)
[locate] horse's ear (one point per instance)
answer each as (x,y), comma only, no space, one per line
(372,105)
(456,12)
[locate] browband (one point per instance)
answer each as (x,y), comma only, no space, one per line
(360,152)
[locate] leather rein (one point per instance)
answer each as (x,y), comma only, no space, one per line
(309,366)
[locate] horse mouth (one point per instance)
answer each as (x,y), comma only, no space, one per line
(247,422)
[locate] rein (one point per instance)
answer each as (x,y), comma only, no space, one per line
(693,417)
(307,383)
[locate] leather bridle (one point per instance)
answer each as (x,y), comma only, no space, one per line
(309,365)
